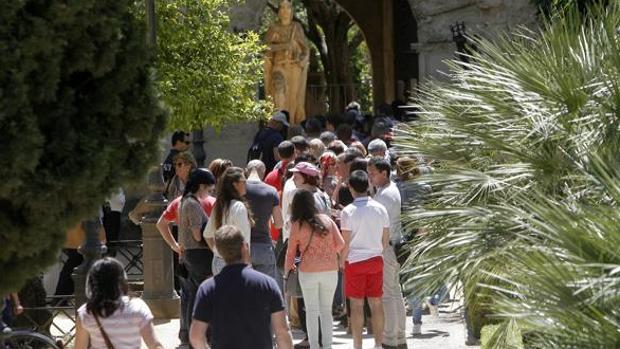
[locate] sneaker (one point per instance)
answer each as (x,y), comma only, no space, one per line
(304,344)
(417,329)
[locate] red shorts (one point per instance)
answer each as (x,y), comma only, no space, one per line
(364,279)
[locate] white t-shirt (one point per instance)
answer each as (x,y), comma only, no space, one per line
(237,215)
(122,327)
(389,197)
(287,198)
(117,200)
(365,219)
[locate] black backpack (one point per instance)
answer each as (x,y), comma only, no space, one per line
(256,149)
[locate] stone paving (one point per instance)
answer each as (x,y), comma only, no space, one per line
(447,331)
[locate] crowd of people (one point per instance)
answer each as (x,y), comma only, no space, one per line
(306,233)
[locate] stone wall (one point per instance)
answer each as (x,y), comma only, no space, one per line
(486,18)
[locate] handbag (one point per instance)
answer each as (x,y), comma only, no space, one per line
(106,339)
(292,286)
(281,257)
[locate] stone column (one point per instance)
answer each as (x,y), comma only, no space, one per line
(92,249)
(159,291)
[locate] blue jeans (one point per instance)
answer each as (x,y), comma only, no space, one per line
(338,297)
(415,304)
(264,258)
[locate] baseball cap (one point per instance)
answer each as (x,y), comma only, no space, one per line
(280,117)
(306,168)
(202,176)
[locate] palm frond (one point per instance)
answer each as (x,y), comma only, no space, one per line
(524,207)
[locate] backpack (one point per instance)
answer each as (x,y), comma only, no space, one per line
(256,149)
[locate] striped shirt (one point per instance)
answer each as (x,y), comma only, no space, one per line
(123,326)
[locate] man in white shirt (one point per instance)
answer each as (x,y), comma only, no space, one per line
(365,227)
(388,195)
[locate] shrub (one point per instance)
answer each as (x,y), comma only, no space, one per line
(79,116)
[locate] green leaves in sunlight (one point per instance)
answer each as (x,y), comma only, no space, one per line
(524,211)
(208,74)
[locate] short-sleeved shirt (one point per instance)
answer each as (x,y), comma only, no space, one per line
(269,139)
(262,199)
(365,219)
(274,178)
(171,211)
(123,326)
(191,216)
(389,197)
(237,304)
(318,252)
(236,215)
(167,167)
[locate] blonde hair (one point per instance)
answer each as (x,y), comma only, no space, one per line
(407,168)
(228,242)
(317,148)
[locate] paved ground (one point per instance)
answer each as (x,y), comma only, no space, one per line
(446,331)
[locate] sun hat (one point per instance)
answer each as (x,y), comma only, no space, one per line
(306,168)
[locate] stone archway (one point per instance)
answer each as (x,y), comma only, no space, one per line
(409,40)
(372,19)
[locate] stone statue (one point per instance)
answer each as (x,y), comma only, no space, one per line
(286,64)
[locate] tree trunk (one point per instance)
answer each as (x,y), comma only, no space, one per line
(334,50)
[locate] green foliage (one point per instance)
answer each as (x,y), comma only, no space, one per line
(550,8)
(361,69)
(79,116)
(525,203)
(208,75)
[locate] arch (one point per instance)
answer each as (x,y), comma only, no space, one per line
(377,20)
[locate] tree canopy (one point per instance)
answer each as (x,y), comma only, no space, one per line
(79,116)
(208,75)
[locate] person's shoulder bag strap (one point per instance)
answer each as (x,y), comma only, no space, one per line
(106,339)
(306,249)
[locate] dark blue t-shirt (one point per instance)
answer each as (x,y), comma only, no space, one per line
(269,139)
(262,199)
(237,304)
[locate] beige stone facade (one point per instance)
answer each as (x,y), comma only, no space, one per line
(487,18)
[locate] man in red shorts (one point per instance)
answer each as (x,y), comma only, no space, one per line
(365,226)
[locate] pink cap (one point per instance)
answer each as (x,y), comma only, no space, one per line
(306,168)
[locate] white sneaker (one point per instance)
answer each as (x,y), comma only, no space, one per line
(417,329)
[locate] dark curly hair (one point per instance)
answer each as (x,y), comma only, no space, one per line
(106,284)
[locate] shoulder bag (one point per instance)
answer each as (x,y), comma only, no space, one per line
(106,339)
(292,286)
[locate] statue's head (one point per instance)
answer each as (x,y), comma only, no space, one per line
(285,12)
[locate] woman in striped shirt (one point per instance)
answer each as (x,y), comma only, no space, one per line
(110,319)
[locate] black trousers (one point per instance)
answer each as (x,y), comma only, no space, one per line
(65,284)
(112,225)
